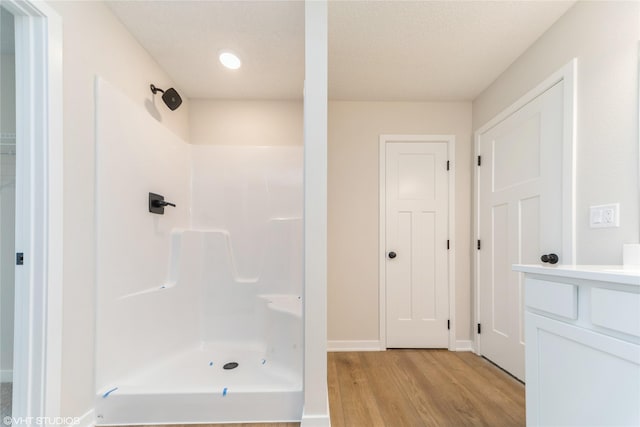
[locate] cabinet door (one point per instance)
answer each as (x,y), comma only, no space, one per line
(577,377)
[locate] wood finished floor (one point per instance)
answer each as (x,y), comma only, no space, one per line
(417,388)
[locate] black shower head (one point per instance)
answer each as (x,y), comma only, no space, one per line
(169,96)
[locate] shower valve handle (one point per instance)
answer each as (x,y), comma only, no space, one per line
(162,203)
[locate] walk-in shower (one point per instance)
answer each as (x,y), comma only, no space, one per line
(199,310)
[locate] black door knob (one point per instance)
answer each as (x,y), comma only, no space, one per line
(392,255)
(551,258)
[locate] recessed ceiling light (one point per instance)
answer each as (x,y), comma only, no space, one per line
(230,60)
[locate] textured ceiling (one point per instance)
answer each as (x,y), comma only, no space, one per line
(429,50)
(378,50)
(185,38)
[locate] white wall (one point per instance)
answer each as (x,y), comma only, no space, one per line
(222,122)
(354,129)
(94,43)
(604,37)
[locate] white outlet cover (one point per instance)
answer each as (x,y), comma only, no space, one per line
(604,216)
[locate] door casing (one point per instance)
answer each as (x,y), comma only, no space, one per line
(39,207)
(382,294)
(567,74)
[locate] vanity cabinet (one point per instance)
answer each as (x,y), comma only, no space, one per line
(582,358)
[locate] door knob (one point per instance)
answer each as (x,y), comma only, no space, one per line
(551,258)
(392,255)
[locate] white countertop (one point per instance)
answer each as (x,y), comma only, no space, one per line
(605,273)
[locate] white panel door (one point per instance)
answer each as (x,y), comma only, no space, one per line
(417,289)
(520,218)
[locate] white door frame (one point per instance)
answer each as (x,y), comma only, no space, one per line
(39,220)
(567,74)
(382,293)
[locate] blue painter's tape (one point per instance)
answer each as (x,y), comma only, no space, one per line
(224,392)
(104,396)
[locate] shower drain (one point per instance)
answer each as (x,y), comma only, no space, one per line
(230,365)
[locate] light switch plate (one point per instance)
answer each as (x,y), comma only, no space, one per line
(604,216)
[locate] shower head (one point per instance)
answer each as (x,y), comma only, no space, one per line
(169,96)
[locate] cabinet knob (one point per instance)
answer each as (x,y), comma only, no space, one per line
(392,255)
(551,258)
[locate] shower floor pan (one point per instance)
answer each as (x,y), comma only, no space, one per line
(193,387)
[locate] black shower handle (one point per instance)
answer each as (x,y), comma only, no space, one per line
(162,203)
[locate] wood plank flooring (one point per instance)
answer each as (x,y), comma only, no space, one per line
(417,388)
(399,388)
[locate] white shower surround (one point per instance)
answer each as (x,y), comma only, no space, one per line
(216,279)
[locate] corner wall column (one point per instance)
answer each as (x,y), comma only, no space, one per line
(316,405)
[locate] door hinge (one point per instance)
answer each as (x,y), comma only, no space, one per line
(447,244)
(478,244)
(19,258)
(479,160)
(447,164)
(448,324)
(479,329)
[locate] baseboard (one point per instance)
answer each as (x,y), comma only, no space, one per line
(375,345)
(87,420)
(464,345)
(362,345)
(6,375)
(315,420)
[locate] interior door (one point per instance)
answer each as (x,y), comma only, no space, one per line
(417,292)
(520,218)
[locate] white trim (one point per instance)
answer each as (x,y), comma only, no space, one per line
(569,146)
(361,345)
(464,345)
(6,375)
(39,173)
(382,294)
(382,243)
(315,420)
(452,241)
(568,74)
